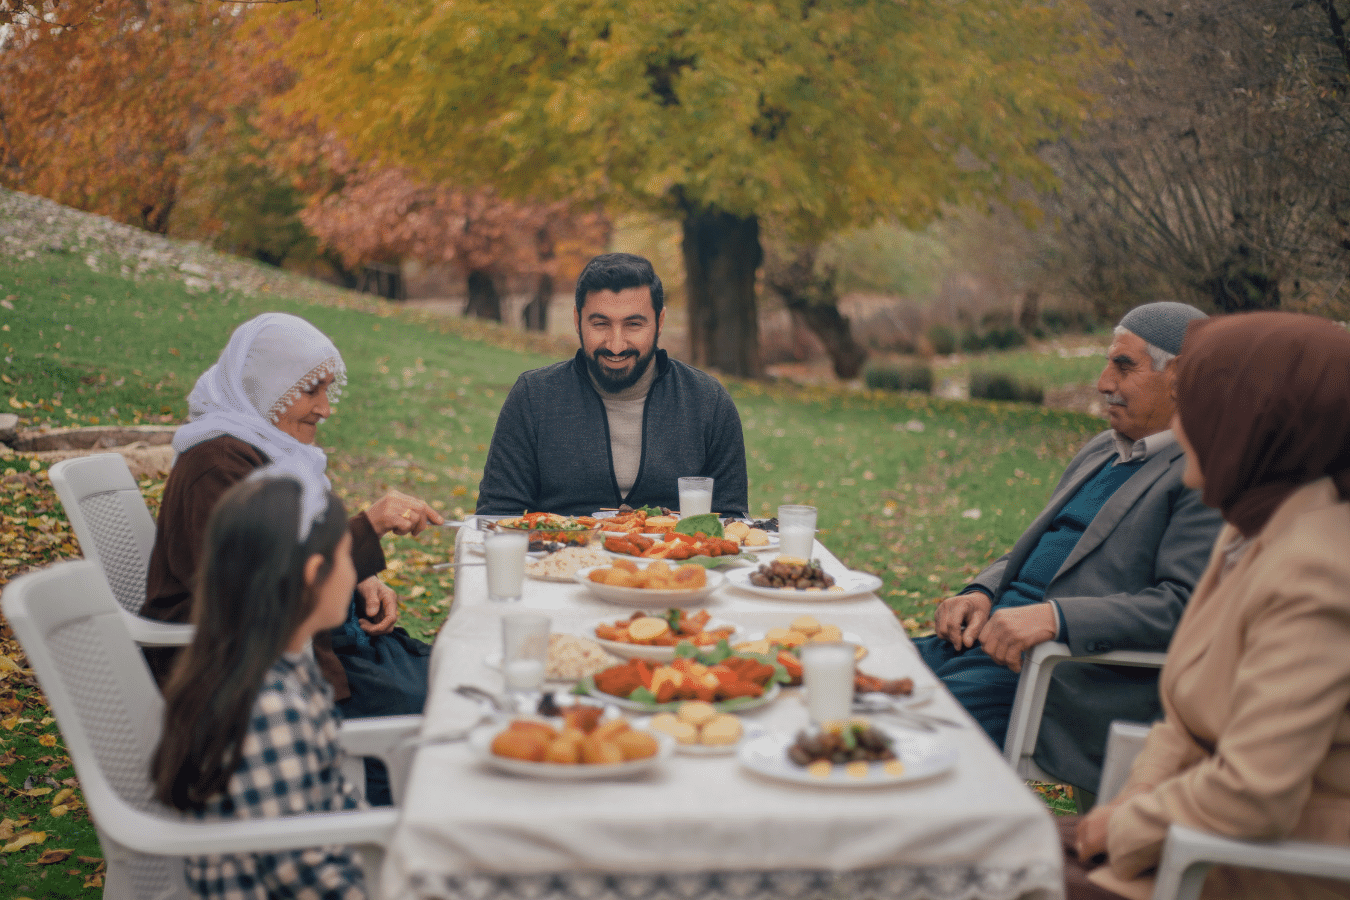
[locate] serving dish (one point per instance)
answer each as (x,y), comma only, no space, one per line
(847,585)
(646,598)
(920,757)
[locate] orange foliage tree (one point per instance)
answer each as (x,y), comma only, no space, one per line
(103,101)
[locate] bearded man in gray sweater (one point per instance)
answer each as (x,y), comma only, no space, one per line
(620,421)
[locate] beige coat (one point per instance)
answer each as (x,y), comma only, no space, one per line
(1256,693)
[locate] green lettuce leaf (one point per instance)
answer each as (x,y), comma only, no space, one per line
(708,523)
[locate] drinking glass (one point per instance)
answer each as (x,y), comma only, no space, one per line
(524,653)
(827,673)
(796,531)
(695,496)
(505,552)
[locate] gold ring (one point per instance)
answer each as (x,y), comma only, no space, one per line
(408,514)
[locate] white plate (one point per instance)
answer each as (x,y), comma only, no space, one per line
(846,585)
(642,598)
(480,742)
(737,705)
(647,651)
(922,756)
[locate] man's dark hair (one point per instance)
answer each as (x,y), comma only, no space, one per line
(617,271)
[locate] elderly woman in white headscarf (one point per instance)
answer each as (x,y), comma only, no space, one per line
(260,405)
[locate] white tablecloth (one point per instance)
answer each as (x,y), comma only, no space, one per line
(703,826)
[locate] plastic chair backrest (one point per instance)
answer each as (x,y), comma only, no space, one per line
(104,700)
(110,519)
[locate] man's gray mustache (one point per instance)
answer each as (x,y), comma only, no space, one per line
(1113,399)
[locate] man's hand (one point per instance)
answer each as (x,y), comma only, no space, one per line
(1012,631)
(381,606)
(960,618)
(401,514)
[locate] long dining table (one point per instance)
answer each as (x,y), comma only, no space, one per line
(706,826)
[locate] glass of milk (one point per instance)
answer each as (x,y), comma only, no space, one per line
(695,496)
(827,673)
(796,531)
(524,652)
(505,552)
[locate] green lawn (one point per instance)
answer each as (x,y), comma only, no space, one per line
(924,492)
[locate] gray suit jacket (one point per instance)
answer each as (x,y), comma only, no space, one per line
(1123,587)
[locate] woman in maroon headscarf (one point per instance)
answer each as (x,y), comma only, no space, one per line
(1255,743)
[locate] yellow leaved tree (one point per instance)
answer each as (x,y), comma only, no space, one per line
(814,114)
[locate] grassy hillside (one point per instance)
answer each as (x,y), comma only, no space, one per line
(923,492)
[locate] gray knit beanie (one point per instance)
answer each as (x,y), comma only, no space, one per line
(1162,324)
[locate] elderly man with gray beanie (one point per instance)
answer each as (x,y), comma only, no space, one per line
(1107,565)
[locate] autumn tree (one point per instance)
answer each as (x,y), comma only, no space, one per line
(103,101)
(385,213)
(1219,176)
(816,114)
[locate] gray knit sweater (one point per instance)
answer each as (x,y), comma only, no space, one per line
(551,452)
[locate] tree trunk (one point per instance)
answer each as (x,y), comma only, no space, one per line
(535,314)
(813,303)
(484,301)
(721,254)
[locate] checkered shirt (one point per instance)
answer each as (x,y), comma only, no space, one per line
(291,766)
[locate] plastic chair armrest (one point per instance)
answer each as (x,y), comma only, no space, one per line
(1029,703)
(152,633)
(1123,744)
(187,838)
(1189,854)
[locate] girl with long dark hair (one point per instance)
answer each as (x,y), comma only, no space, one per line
(250,729)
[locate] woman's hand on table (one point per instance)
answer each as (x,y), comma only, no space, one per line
(401,514)
(381,606)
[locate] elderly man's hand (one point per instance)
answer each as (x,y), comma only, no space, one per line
(401,514)
(381,606)
(960,618)
(1012,631)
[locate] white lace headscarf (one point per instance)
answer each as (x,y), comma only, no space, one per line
(268,363)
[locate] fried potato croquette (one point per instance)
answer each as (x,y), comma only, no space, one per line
(607,731)
(595,751)
(637,744)
(520,744)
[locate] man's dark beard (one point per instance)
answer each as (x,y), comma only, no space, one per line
(614,383)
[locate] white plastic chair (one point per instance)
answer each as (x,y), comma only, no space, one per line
(1188,854)
(110,715)
(1024,725)
(115,530)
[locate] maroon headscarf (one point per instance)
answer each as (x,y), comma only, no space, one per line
(1264,399)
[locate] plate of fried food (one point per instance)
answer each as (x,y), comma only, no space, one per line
(673,546)
(802,581)
(750,538)
(634,521)
(700,730)
(801,630)
(537,749)
(853,754)
(656,584)
(654,637)
(727,681)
